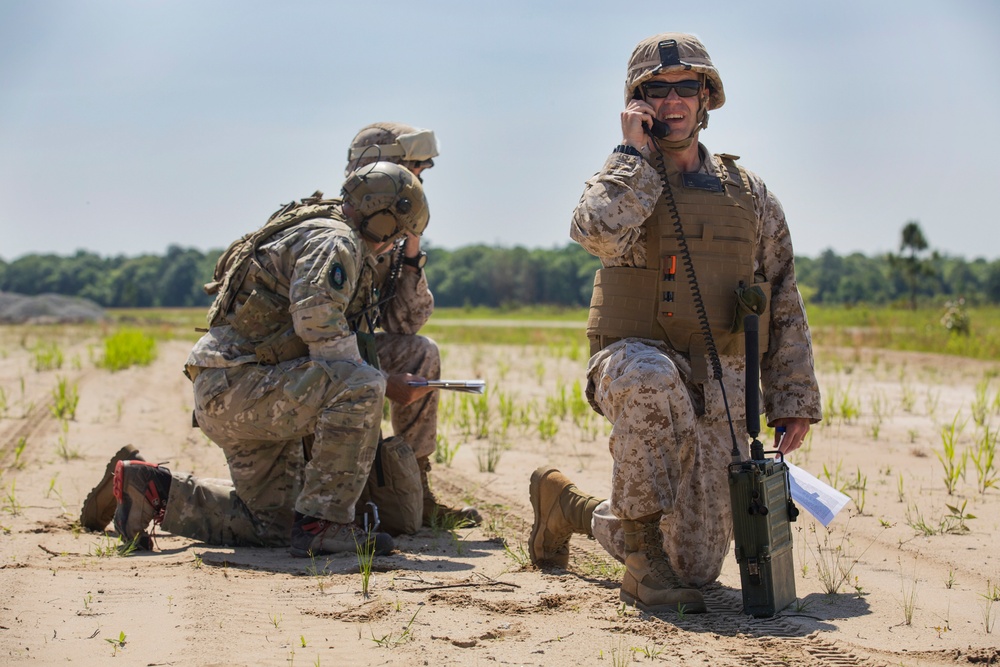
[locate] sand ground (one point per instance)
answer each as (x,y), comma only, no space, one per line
(906,595)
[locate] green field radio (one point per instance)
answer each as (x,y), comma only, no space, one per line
(762,508)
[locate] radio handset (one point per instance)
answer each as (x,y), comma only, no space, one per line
(658,129)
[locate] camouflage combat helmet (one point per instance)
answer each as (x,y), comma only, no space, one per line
(388,199)
(654,55)
(675,52)
(392,142)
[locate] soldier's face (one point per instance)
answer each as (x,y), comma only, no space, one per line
(680,113)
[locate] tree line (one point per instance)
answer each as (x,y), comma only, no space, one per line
(481,275)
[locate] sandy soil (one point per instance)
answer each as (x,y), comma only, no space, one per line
(905,598)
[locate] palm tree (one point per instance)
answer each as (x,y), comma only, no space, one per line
(913,265)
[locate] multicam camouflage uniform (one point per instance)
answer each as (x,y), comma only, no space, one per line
(258,413)
(667,457)
(401,350)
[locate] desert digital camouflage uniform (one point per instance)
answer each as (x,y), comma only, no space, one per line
(258,413)
(402,350)
(667,457)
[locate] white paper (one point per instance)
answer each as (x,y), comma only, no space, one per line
(818,498)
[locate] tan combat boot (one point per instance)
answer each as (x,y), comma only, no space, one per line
(649,582)
(560,510)
(434,512)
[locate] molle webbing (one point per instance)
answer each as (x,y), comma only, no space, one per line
(235,264)
(720,227)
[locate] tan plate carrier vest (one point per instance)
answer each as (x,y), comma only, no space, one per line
(657,301)
(255,302)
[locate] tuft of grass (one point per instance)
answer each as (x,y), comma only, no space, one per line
(834,565)
(65,398)
(366,555)
(489,456)
(47,356)
(126,348)
(388,641)
(518,554)
(954,466)
(445,452)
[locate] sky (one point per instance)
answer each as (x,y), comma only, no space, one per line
(130,126)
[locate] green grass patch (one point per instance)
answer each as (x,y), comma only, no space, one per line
(918,330)
(126,348)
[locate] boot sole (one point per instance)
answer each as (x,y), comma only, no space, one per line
(100,502)
(681,607)
(537,554)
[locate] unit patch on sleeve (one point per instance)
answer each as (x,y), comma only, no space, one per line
(337,276)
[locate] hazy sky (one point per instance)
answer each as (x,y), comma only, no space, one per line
(127,126)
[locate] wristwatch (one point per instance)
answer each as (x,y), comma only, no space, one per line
(627,150)
(416,262)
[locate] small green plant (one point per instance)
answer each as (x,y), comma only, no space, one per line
(11,504)
(444,452)
(979,403)
(518,554)
(954,521)
(983,458)
(3,403)
(388,641)
(116,643)
(951,523)
(954,467)
(62,443)
(859,486)
(126,348)
(909,594)
(649,652)
(65,398)
(547,427)
(275,620)
(366,555)
(599,567)
(47,356)
(22,442)
(833,477)
(899,489)
(620,654)
(110,546)
(833,564)
(489,456)
(950,582)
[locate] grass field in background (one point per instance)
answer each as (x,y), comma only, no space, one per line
(859,326)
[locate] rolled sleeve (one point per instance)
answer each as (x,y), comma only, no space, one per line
(616,201)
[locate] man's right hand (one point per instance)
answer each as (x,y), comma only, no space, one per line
(633,134)
(399,390)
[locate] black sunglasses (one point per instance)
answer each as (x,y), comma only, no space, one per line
(660,89)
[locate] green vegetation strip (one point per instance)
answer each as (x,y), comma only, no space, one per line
(918,330)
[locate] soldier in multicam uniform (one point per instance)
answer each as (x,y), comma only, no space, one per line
(280,362)
(403,355)
(402,285)
(659,204)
